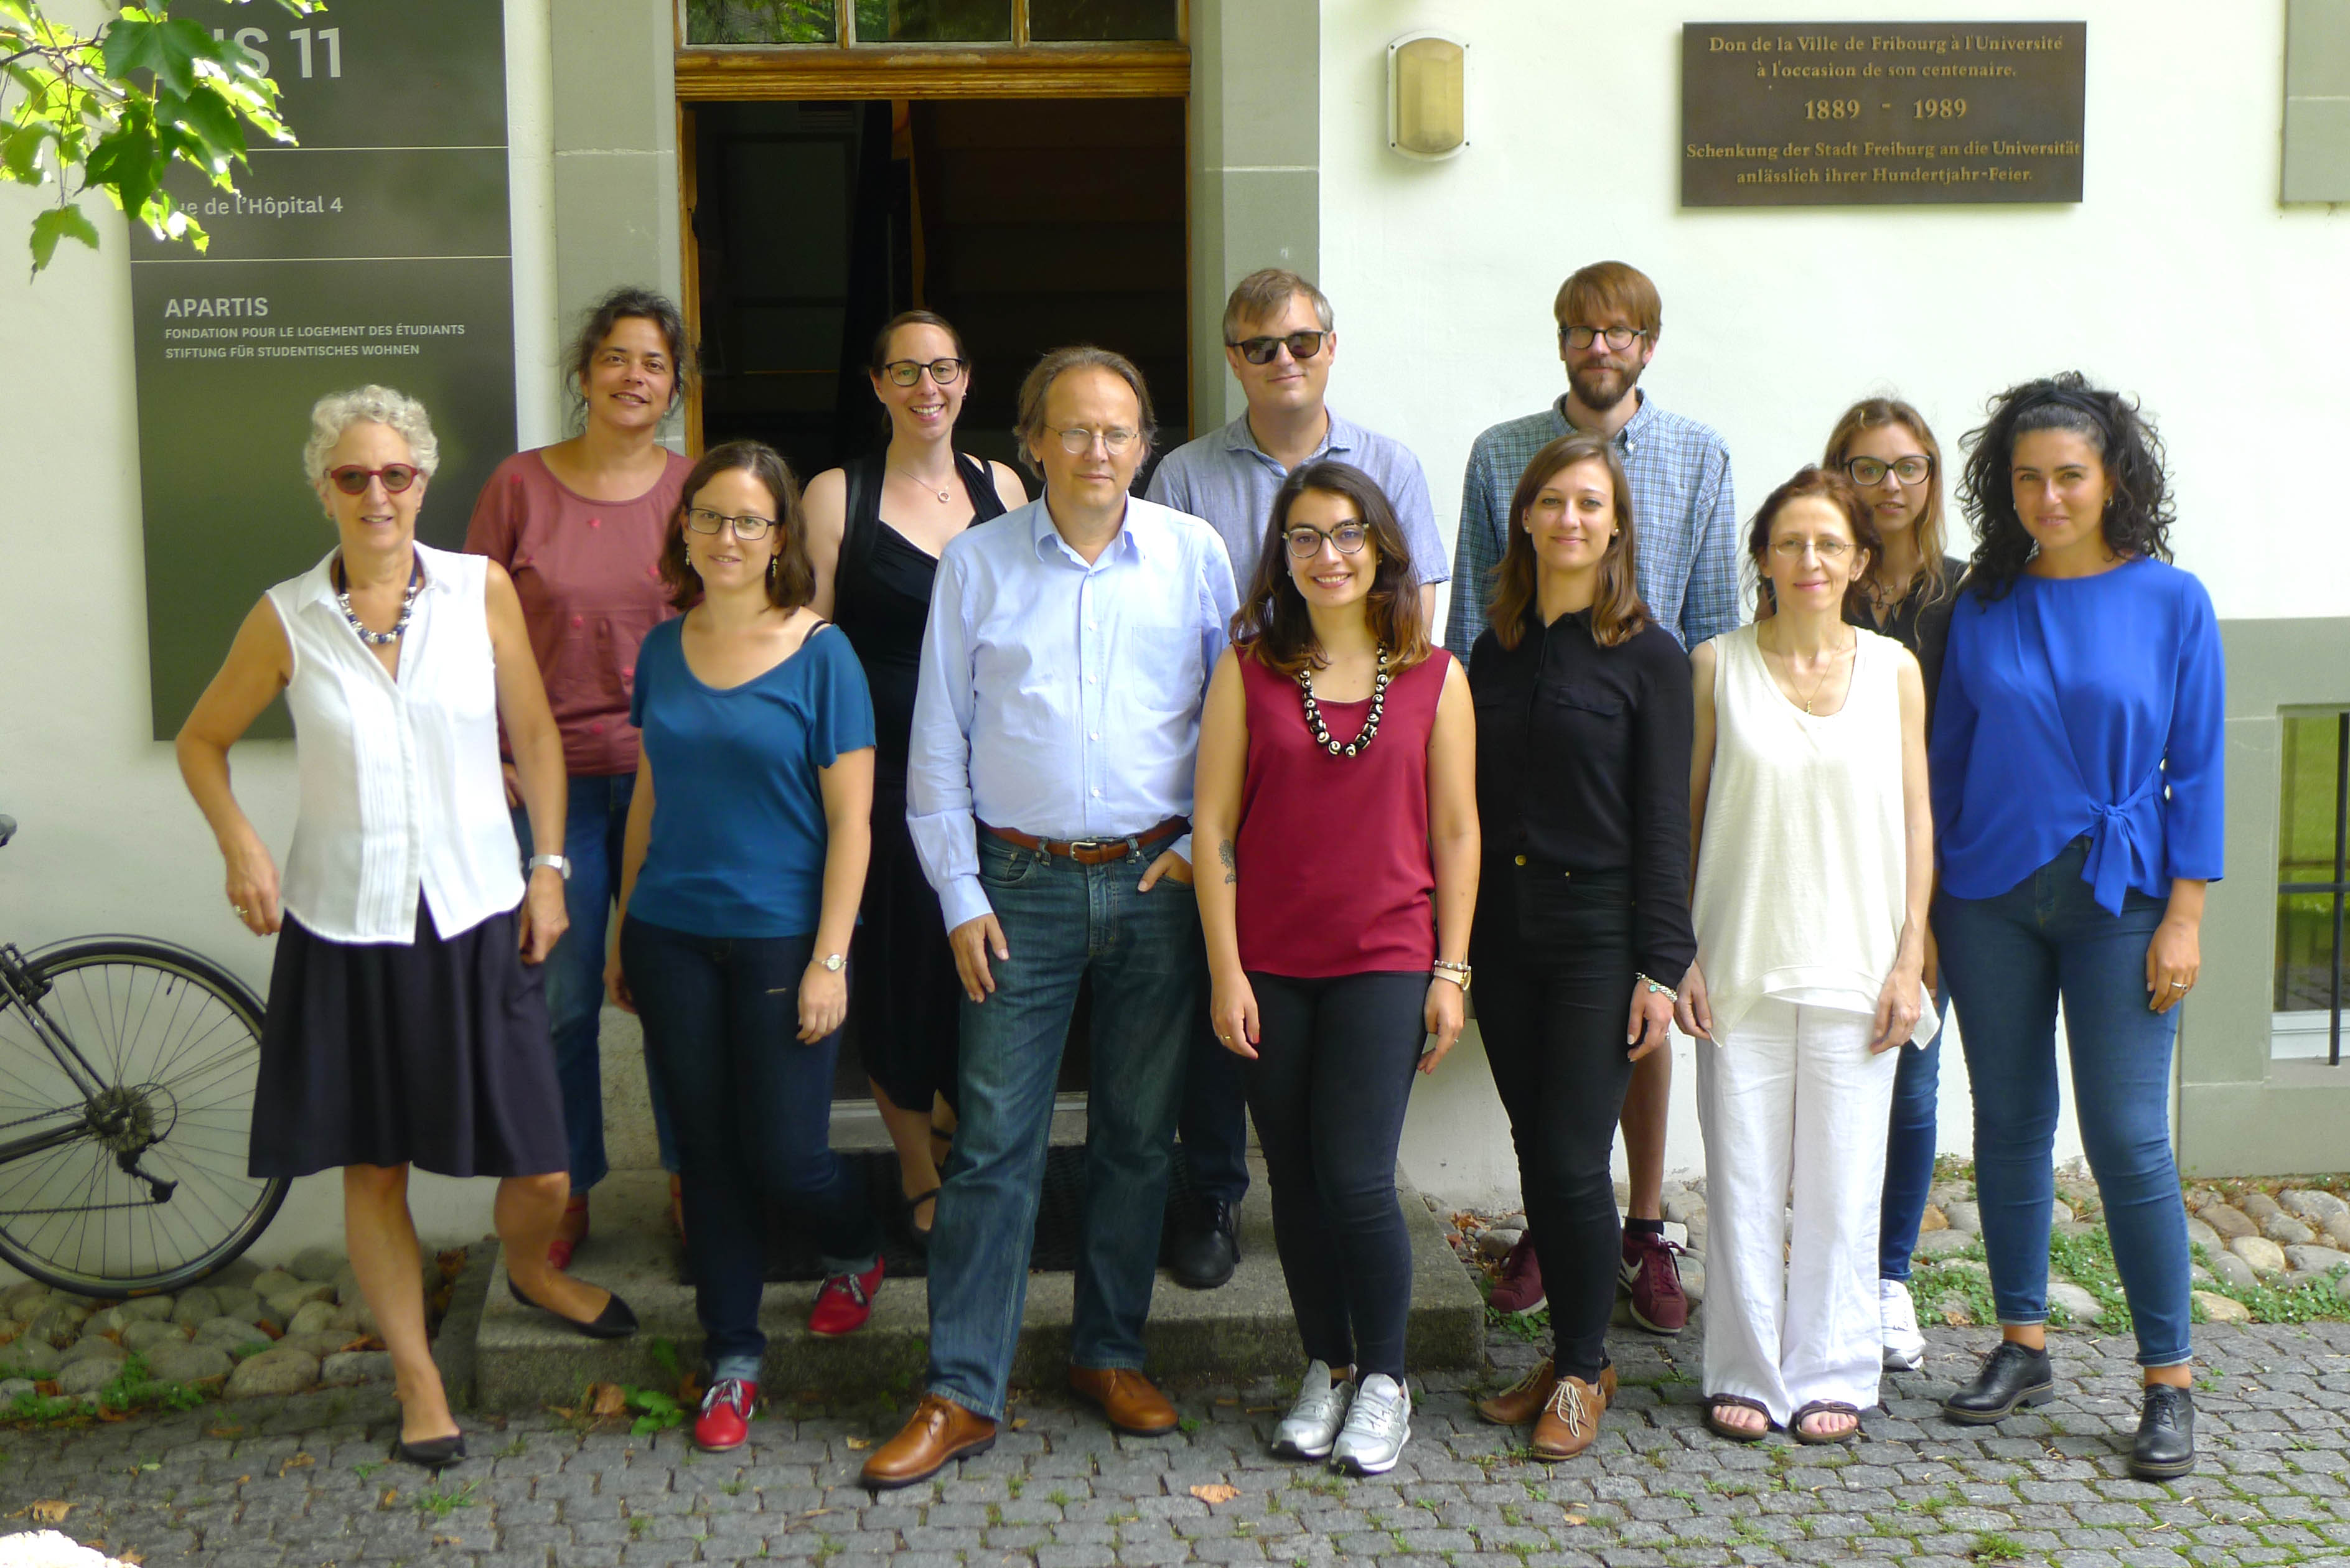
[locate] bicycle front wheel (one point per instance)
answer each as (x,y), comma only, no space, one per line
(175,1043)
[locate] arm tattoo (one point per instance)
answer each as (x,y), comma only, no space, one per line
(1232,870)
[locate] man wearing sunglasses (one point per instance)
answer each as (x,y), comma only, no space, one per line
(1280,345)
(1608,317)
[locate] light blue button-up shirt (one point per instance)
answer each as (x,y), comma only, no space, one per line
(1058,698)
(1225,477)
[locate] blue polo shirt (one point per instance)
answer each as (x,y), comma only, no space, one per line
(1225,477)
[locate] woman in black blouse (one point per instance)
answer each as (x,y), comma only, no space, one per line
(875,530)
(1888,452)
(1583,717)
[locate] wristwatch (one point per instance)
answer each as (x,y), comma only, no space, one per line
(561,867)
(1458,973)
(833,962)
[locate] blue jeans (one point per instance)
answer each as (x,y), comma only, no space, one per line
(593,827)
(1213,1121)
(2009,959)
(1061,922)
(1910,1138)
(753,1109)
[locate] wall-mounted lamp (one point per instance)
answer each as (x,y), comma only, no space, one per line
(1428,95)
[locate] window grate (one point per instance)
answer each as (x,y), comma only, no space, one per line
(2307,954)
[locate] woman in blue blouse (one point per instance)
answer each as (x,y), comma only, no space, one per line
(2077,778)
(739,884)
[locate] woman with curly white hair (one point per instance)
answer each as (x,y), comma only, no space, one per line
(406,1021)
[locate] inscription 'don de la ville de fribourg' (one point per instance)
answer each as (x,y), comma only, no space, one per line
(1808,114)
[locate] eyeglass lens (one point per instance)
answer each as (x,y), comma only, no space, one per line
(703,520)
(1871,471)
(906,372)
(1114,440)
(1261,351)
(1618,338)
(353,481)
(1305,541)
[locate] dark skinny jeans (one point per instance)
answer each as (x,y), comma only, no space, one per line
(1554,974)
(753,1110)
(1328,1088)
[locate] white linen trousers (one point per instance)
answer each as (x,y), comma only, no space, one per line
(1790,1100)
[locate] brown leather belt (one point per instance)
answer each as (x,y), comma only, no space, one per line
(1094,851)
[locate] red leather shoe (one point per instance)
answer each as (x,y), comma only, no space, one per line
(724,1422)
(1520,1288)
(845,1302)
(1652,1278)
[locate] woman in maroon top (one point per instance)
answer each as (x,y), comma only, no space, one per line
(1337,782)
(579,526)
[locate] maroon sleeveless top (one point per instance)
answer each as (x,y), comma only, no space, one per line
(1334,873)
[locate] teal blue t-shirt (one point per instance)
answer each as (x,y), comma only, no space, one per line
(739,834)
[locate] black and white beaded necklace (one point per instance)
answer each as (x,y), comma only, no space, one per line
(406,605)
(1322,738)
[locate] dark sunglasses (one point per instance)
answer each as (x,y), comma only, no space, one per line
(352,480)
(1261,351)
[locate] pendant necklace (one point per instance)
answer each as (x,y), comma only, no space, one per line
(943,495)
(406,605)
(1313,722)
(1817,686)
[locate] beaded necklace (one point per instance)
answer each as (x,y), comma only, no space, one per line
(1361,742)
(406,605)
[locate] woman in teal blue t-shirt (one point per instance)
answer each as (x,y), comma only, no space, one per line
(2077,781)
(747,841)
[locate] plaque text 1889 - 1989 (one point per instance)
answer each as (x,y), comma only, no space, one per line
(1812,114)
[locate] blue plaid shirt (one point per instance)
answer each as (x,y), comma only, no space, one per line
(1681,504)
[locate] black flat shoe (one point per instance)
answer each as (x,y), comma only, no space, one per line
(2165,1449)
(433,1453)
(615,1321)
(1205,1252)
(2010,1376)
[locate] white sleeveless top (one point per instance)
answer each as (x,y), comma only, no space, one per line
(1802,866)
(400,789)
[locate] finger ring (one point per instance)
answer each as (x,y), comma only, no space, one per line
(2179,985)
(237,909)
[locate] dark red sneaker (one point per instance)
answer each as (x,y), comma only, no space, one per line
(845,1302)
(724,1422)
(1520,1288)
(1653,1280)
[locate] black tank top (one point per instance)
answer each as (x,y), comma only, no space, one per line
(881,596)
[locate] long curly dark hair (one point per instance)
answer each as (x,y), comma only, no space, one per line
(2138,517)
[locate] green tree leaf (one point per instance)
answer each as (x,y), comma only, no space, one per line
(56,223)
(169,49)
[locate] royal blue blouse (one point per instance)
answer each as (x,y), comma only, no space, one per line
(739,835)
(2081,705)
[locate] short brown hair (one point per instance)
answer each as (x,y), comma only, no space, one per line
(1834,488)
(1030,429)
(1265,292)
(1616,612)
(791,581)
(879,359)
(1271,625)
(1610,286)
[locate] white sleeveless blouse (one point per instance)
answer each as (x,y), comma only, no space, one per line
(1803,868)
(401,794)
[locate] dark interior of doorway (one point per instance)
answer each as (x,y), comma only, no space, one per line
(1027,223)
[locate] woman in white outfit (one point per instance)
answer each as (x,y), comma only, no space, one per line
(1814,861)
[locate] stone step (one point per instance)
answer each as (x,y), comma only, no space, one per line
(524,1359)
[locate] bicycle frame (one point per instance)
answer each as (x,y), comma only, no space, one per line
(19,990)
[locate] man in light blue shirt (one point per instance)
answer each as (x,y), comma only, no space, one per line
(1048,791)
(1280,343)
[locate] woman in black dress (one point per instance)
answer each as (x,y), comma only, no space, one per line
(875,530)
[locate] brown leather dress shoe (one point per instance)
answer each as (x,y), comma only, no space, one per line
(1126,1398)
(1522,1401)
(1570,1420)
(940,1431)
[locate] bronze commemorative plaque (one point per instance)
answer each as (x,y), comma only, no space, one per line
(1819,114)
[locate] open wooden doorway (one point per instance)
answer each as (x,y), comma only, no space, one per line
(1029,223)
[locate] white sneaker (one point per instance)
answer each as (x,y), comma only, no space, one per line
(1378,1425)
(1313,1422)
(1896,1316)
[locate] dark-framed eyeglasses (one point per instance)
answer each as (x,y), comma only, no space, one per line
(1080,441)
(750,527)
(1869,472)
(352,480)
(1618,338)
(1261,351)
(1306,540)
(906,372)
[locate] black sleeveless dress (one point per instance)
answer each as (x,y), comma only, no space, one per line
(905,1001)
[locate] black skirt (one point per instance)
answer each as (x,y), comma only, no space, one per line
(905,1000)
(433,1052)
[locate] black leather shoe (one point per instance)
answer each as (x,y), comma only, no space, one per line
(1205,1252)
(433,1453)
(2011,1375)
(2165,1449)
(615,1321)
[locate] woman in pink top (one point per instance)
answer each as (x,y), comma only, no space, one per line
(579,526)
(1338,784)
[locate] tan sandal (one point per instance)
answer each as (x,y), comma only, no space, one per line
(1716,1404)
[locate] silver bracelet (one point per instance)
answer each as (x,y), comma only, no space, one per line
(1658,988)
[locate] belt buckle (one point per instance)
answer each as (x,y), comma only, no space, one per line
(1079,847)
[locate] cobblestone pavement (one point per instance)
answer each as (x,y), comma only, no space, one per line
(303,1482)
